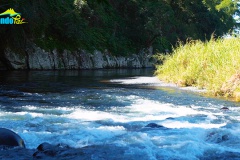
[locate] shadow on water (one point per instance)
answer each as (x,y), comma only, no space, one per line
(70,77)
(55,88)
(90,88)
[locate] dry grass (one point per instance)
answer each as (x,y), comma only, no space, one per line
(213,65)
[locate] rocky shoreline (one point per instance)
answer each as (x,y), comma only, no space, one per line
(36,58)
(62,152)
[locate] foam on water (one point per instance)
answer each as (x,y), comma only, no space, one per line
(143,80)
(181,131)
(154,81)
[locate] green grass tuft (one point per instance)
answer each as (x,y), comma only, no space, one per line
(212,65)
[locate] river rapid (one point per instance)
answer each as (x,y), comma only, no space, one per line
(129,114)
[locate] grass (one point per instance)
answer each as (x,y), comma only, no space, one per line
(212,65)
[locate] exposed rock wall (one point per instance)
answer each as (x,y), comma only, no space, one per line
(13,60)
(39,59)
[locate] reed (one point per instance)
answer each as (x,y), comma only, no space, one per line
(212,65)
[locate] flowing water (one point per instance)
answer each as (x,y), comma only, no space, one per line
(131,111)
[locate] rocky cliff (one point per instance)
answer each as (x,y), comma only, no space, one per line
(39,59)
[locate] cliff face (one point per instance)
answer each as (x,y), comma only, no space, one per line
(39,59)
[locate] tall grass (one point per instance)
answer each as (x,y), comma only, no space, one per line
(210,65)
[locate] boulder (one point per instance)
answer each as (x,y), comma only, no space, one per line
(10,139)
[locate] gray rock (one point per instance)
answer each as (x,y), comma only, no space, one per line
(37,58)
(98,61)
(15,60)
(121,62)
(85,60)
(134,62)
(57,60)
(146,57)
(70,59)
(111,61)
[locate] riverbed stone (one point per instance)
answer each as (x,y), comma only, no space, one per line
(16,153)
(56,152)
(225,108)
(154,125)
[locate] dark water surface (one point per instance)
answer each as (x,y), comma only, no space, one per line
(127,109)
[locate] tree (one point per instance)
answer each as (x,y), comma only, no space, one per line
(121,26)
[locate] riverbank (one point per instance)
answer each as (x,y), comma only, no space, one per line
(212,65)
(35,58)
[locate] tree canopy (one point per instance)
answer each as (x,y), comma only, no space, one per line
(120,26)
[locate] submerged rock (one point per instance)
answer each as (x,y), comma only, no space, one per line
(16,153)
(223,155)
(64,152)
(48,150)
(154,125)
(225,108)
(170,118)
(217,137)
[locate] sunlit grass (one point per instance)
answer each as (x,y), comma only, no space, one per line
(212,65)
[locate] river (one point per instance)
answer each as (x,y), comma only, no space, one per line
(127,109)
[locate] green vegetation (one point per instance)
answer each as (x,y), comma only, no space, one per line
(213,65)
(120,26)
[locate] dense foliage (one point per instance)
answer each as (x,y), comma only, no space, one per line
(215,66)
(121,26)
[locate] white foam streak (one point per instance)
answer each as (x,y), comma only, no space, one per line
(153,81)
(138,80)
(86,115)
(185,124)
